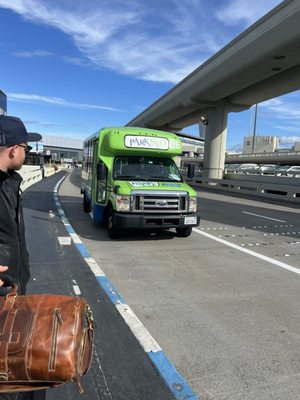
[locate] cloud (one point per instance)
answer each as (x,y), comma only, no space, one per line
(236,148)
(289,140)
(43,124)
(34,53)
(43,53)
(58,101)
(285,107)
(161,42)
(244,11)
(283,114)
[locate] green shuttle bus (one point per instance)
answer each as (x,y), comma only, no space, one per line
(130,180)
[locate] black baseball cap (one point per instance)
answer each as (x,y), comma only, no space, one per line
(13,131)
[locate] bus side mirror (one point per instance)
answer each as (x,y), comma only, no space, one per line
(101,171)
(116,189)
(191,171)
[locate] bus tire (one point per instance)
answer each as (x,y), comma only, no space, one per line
(86,205)
(184,232)
(109,223)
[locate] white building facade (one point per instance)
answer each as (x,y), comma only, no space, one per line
(61,149)
(262,144)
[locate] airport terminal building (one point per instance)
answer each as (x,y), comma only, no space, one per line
(60,149)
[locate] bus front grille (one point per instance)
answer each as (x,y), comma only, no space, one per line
(160,202)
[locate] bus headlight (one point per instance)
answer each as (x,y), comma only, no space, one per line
(122,202)
(193,204)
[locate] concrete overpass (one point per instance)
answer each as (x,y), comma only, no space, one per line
(261,63)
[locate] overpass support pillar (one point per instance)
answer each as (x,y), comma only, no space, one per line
(215,143)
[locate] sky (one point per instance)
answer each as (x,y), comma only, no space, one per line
(70,67)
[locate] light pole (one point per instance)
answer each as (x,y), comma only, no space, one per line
(254,129)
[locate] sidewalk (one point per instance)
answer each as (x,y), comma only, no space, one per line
(121,370)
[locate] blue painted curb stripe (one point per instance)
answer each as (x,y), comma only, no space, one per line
(69,228)
(173,379)
(110,290)
(83,250)
(176,383)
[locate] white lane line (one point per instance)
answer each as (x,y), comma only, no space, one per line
(75,238)
(262,216)
(139,330)
(94,266)
(64,240)
(250,252)
(76,288)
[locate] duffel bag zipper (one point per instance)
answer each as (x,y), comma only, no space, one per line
(57,320)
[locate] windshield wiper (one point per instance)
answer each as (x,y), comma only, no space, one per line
(135,177)
(163,178)
(147,178)
(126,177)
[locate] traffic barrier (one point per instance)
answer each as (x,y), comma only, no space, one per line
(32,174)
(287,192)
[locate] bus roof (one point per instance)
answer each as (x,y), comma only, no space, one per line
(134,140)
(129,129)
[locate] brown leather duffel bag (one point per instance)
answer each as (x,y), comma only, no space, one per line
(45,340)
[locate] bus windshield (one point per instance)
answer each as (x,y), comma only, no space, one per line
(142,168)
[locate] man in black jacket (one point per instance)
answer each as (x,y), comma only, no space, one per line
(14,260)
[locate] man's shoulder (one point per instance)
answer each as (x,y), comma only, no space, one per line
(10,178)
(14,175)
(3,175)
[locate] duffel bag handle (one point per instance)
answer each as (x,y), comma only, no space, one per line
(13,291)
(7,285)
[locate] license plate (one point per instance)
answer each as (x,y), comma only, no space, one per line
(190,220)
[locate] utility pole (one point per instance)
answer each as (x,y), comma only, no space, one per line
(254,129)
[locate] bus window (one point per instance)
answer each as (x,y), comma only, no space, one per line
(101,182)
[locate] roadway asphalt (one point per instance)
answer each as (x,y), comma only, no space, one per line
(121,370)
(224,303)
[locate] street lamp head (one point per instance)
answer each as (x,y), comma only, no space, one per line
(203,120)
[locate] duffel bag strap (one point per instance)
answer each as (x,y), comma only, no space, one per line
(5,338)
(11,297)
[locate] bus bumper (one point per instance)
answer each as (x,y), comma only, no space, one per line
(155,221)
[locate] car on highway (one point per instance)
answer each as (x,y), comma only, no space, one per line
(231,168)
(288,170)
(268,169)
(248,168)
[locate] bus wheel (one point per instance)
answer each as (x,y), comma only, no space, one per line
(184,232)
(109,223)
(86,205)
